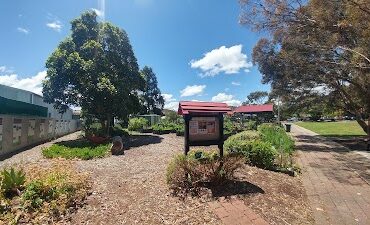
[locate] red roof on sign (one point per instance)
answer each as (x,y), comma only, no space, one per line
(189,107)
(254,108)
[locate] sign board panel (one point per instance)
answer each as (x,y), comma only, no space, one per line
(31,128)
(204,128)
(17,131)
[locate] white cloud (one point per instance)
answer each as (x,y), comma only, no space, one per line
(101,11)
(228,99)
(192,90)
(171,105)
(168,97)
(33,84)
(4,69)
(170,102)
(55,25)
(236,83)
(222,60)
(23,30)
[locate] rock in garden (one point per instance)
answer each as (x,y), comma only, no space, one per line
(117,147)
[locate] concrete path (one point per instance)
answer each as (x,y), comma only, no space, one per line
(235,212)
(336,179)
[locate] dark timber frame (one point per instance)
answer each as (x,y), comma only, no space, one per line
(203,109)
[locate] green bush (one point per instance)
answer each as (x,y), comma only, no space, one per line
(47,193)
(164,128)
(202,168)
(277,136)
(12,181)
(245,135)
(119,131)
(180,130)
(250,125)
(82,149)
(137,124)
(262,154)
(256,152)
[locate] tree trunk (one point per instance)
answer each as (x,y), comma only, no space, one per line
(365,126)
(109,118)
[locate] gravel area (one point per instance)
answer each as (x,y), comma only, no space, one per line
(34,154)
(131,189)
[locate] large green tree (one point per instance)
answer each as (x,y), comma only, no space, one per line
(95,68)
(256,97)
(152,98)
(315,48)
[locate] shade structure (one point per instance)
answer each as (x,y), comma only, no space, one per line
(254,108)
(204,108)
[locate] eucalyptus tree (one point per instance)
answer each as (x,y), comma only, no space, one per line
(314,48)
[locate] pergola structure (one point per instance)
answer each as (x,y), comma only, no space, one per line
(204,123)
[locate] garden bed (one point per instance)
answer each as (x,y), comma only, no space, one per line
(80,149)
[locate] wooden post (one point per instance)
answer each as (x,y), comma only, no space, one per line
(221,141)
(186,134)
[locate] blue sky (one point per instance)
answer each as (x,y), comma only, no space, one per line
(196,47)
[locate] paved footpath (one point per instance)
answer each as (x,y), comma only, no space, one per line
(235,212)
(335,179)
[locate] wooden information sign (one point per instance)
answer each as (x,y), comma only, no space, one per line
(203,123)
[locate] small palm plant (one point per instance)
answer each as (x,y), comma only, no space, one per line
(12,181)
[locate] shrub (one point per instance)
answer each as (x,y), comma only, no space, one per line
(277,136)
(81,149)
(49,192)
(245,135)
(119,131)
(250,125)
(12,181)
(257,153)
(262,154)
(164,128)
(180,130)
(202,168)
(137,124)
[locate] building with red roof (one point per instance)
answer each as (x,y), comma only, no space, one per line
(262,112)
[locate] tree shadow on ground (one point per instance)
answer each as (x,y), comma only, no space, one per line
(341,165)
(234,187)
(134,141)
(80,143)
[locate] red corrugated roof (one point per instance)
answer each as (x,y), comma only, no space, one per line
(188,107)
(254,108)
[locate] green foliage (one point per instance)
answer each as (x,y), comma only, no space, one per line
(12,181)
(152,98)
(95,68)
(117,130)
(202,167)
(277,136)
(172,116)
(180,129)
(250,125)
(229,127)
(247,135)
(164,127)
(317,50)
(137,124)
(257,97)
(81,149)
(48,193)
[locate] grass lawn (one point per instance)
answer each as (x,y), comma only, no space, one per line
(334,129)
(81,149)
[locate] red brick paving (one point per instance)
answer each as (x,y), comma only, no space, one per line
(337,193)
(235,212)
